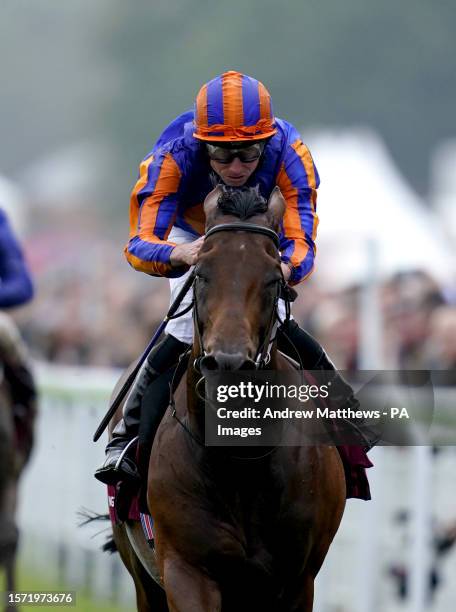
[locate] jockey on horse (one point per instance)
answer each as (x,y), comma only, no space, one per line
(16,288)
(233,134)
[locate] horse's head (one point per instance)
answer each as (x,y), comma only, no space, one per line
(238,278)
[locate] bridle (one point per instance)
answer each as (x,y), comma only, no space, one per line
(264,351)
(245,227)
(263,355)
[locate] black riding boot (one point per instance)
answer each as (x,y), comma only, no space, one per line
(119,465)
(291,339)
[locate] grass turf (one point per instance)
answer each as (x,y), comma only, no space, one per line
(28,580)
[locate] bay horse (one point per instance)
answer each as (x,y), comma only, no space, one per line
(234,532)
(17,418)
(9,534)
(14,454)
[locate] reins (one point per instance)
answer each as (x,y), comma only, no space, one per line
(137,370)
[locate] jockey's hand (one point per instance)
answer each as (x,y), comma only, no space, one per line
(186,254)
(286,271)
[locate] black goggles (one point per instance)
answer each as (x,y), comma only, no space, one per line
(225,155)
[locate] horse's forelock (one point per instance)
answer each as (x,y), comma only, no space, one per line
(242,203)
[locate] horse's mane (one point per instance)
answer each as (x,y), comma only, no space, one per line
(242,202)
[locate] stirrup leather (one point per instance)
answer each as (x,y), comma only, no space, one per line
(124,452)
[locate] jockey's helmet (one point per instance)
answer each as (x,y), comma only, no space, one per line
(233,107)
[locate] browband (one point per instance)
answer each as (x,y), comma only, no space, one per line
(245,227)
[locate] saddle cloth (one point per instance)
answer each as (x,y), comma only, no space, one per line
(355,462)
(124,505)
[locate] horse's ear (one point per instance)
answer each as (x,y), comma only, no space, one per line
(276,206)
(210,203)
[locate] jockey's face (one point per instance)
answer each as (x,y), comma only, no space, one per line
(236,173)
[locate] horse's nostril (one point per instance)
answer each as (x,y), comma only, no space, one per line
(209,364)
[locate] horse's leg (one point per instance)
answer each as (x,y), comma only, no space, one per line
(307,595)
(10,567)
(150,597)
(302,598)
(189,589)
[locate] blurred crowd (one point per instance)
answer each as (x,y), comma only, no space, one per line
(417,316)
(92,309)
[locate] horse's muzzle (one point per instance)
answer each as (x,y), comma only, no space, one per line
(217,362)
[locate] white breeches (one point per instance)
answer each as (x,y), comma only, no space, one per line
(182,327)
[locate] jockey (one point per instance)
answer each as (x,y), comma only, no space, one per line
(233,134)
(16,288)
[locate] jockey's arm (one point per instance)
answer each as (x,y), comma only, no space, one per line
(298,181)
(186,254)
(153,206)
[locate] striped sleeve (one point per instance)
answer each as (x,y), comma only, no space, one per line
(153,206)
(298,180)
